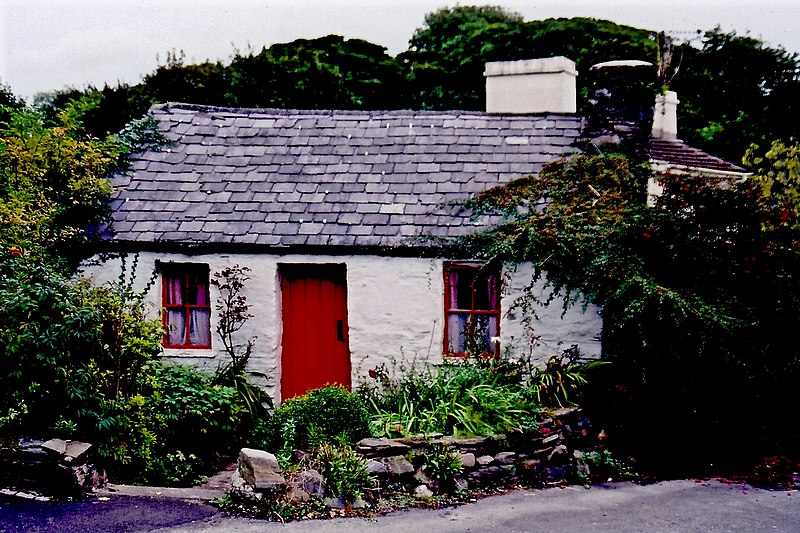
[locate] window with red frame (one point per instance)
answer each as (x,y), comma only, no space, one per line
(472,310)
(187,311)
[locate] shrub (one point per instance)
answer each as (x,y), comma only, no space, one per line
(443,464)
(329,414)
(344,471)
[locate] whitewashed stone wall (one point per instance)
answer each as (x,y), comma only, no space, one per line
(395,311)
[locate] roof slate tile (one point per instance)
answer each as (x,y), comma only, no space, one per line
(354,177)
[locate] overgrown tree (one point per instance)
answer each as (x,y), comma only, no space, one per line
(699,298)
(736,90)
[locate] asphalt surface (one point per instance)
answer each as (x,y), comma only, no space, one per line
(667,506)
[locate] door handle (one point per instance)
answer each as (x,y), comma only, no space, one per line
(340,330)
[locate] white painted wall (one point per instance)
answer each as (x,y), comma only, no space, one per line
(395,311)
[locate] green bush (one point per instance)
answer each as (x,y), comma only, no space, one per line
(473,397)
(329,414)
(443,464)
(344,471)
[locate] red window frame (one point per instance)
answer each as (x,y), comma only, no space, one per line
(185,271)
(475,270)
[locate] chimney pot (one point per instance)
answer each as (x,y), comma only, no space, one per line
(544,85)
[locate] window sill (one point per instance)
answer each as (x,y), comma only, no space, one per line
(190,353)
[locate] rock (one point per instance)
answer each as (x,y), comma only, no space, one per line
(423,477)
(542,452)
(260,469)
(312,482)
(76,450)
(423,492)
(295,493)
(359,504)
(335,503)
(381,447)
(398,465)
(468,460)
(558,451)
(241,489)
(376,468)
(58,446)
(460,483)
(485,460)
(485,475)
(551,438)
(564,412)
(476,445)
(505,458)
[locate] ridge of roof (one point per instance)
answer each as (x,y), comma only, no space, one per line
(168,106)
(677,152)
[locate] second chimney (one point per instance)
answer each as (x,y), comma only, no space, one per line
(531,86)
(665,116)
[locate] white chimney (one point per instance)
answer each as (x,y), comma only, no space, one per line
(531,86)
(665,116)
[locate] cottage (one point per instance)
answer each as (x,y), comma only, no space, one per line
(336,214)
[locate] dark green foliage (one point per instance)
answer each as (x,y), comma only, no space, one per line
(700,301)
(325,73)
(736,90)
(473,396)
(329,414)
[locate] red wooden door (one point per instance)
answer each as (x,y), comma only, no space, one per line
(315,349)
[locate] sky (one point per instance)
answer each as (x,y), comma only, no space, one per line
(46,45)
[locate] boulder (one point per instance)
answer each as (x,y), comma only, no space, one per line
(398,465)
(312,482)
(260,469)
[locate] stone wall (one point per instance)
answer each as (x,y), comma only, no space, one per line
(54,468)
(554,454)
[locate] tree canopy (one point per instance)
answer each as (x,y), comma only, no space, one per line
(734,90)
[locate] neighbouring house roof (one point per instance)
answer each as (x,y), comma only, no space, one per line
(676,153)
(282,178)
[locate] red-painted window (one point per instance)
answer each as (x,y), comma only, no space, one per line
(472,310)
(187,311)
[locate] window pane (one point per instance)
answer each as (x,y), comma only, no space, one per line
(456,333)
(200,327)
(176,327)
(461,289)
(174,289)
(486,292)
(197,290)
(487,328)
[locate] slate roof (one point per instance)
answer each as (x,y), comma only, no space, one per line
(281,178)
(681,154)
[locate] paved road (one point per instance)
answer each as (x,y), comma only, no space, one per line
(667,506)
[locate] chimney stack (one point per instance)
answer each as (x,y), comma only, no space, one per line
(620,109)
(665,116)
(531,86)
